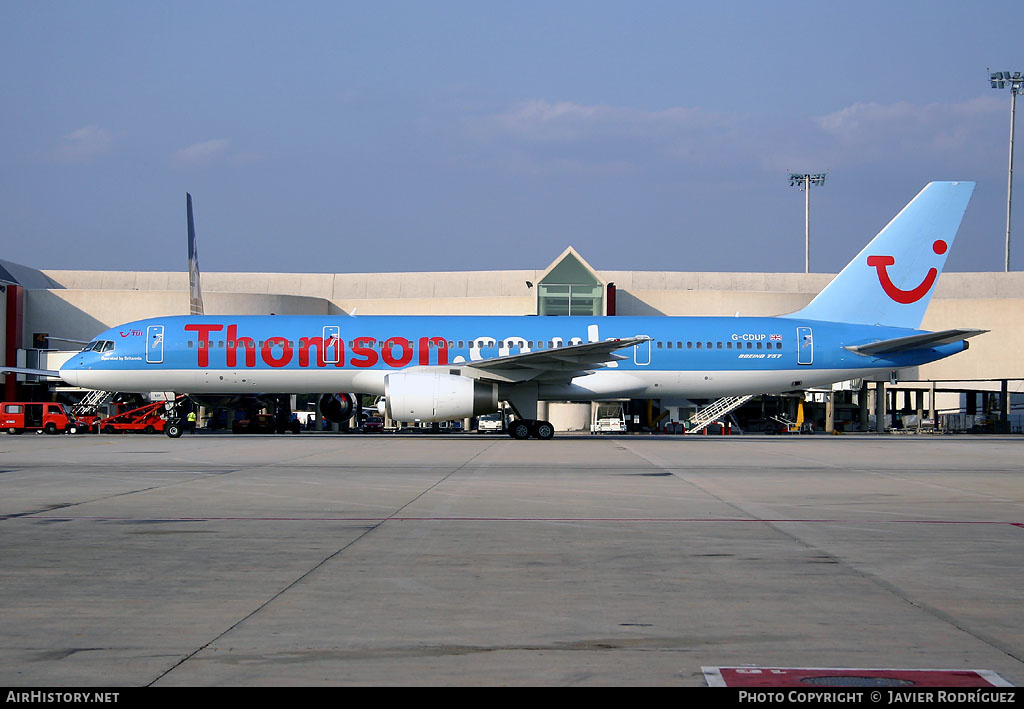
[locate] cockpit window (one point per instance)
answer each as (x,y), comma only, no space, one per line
(99,346)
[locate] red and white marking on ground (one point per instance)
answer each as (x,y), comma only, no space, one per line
(848,677)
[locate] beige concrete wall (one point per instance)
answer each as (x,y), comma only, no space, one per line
(438,306)
(329,286)
(994,355)
(81,314)
(723,303)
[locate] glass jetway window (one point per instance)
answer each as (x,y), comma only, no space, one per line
(568,299)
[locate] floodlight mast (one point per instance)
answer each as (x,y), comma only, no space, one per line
(805,181)
(1000,80)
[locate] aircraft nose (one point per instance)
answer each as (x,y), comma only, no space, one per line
(69,373)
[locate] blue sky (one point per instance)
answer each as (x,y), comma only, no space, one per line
(394,136)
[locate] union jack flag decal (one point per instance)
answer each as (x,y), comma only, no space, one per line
(773,338)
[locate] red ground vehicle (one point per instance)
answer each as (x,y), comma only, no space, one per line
(144,419)
(21,416)
(374,424)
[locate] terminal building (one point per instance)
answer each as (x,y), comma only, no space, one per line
(45,311)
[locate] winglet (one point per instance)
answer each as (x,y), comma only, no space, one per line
(892,279)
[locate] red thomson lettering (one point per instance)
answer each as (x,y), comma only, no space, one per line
(368,352)
(441,346)
(203,331)
(305,343)
(388,353)
(268,351)
(279,351)
(234,342)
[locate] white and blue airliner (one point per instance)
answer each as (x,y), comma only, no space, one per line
(865,322)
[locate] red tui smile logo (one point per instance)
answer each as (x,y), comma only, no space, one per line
(881,264)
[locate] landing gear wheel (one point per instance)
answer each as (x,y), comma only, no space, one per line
(173,430)
(544,431)
(520,429)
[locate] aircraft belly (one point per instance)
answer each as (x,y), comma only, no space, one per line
(702,384)
(220,381)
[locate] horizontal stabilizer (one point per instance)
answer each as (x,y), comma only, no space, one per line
(24,370)
(914,342)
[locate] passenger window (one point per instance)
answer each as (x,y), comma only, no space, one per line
(699,345)
(718,345)
(758,345)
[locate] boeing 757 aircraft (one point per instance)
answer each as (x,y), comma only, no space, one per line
(865,322)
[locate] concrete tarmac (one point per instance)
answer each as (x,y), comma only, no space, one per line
(219,560)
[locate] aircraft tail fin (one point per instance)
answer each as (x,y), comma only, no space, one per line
(194,286)
(892,279)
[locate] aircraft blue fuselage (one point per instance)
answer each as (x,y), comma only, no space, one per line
(692,356)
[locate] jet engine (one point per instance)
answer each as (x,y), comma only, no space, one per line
(433,396)
(337,407)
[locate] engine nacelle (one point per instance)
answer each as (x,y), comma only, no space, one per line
(337,407)
(433,396)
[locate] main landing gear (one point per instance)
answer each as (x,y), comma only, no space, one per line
(521,429)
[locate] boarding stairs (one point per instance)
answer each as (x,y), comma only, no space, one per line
(91,403)
(713,412)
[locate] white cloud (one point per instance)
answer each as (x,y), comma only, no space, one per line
(874,129)
(563,136)
(200,153)
(541,136)
(83,145)
(545,121)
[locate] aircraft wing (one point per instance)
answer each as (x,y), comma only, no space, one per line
(23,370)
(914,342)
(557,364)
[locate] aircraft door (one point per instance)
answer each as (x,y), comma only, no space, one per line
(155,344)
(642,352)
(805,345)
(332,344)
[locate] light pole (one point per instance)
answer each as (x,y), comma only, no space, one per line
(1000,80)
(804,182)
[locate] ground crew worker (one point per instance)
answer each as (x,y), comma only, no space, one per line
(191,419)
